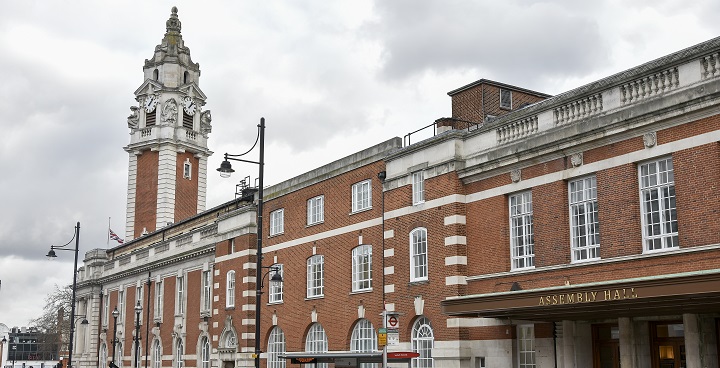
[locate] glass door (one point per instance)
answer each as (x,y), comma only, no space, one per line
(606,346)
(668,344)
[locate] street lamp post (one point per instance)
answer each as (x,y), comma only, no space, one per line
(115,314)
(138,310)
(226,170)
(51,254)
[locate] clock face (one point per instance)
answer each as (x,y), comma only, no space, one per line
(150,103)
(189,105)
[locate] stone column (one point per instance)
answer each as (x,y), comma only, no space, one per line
(569,344)
(627,343)
(692,340)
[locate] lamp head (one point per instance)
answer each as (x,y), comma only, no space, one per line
(225,169)
(138,307)
(276,277)
(382,175)
(115,313)
(51,253)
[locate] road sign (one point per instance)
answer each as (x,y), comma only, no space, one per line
(402,354)
(382,336)
(393,338)
(392,322)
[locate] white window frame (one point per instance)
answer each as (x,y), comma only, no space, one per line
(230,289)
(418,187)
(139,296)
(584,221)
(501,98)
(187,169)
(316,341)
(522,240)
(232,245)
(206,291)
(180,295)
(121,304)
(422,342)
(204,352)
(316,276)
(103,355)
(362,268)
(157,354)
(277,222)
(106,308)
(179,353)
(119,354)
(276,347)
(363,338)
(657,178)
(275,294)
(158,301)
(362,195)
(418,254)
(526,346)
(315,210)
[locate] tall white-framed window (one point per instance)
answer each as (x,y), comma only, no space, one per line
(230,290)
(139,354)
(316,341)
(204,352)
(276,347)
(657,205)
(187,169)
(139,298)
(106,309)
(179,349)
(316,276)
(158,301)
(119,354)
(505,98)
(584,223)
(232,246)
(277,222)
(361,195)
(522,241)
(418,254)
(418,187)
(206,291)
(121,304)
(526,346)
(363,339)
(180,295)
(362,268)
(276,288)
(103,356)
(157,354)
(315,210)
(422,340)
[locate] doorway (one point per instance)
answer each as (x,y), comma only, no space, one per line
(606,346)
(668,344)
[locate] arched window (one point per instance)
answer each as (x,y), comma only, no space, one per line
(230,292)
(230,340)
(363,339)
(119,354)
(362,268)
(316,341)
(139,356)
(103,356)
(157,354)
(179,353)
(276,346)
(422,343)
(418,254)
(204,352)
(155,74)
(186,77)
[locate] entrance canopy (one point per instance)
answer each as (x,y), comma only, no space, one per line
(691,292)
(346,358)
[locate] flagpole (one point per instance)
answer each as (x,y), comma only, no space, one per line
(108,234)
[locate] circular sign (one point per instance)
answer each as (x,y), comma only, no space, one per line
(392,321)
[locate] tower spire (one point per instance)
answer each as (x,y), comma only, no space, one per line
(173,24)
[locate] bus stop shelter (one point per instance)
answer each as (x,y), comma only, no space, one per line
(349,359)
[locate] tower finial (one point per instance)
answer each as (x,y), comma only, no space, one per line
(173,24)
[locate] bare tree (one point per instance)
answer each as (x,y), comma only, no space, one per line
(55,321)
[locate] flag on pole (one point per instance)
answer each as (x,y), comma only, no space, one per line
(115,237)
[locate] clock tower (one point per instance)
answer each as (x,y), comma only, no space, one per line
(167,171)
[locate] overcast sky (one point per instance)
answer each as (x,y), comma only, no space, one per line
(330,77)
